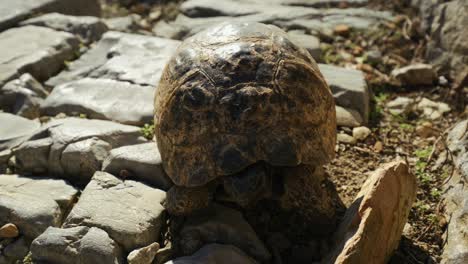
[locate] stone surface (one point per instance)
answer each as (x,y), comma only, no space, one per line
(143,163)
(13,11)
(361,133)
(122,57)
(349,88)
(444,22)
(15,129)
(87,28)
(124,24)
(348,117)
(401,105)
(456,198)
(143,255)
(432,110)
(129,211)
(122,102)
(308,42)
(345,138)
(372,226)
(72,147)
(9,230)
(197,15)
(33,204)
(215,254)
(22,96)
(226,85)
(415,74)
(37,50)
(75,245)
(219,224)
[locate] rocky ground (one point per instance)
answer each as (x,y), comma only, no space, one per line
(81,177)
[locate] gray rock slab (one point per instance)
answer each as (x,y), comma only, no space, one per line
(37,50)
(13,11)
(87,28)
(309,42)
(14,130)
(129,211)
(108,99)
(123,57)
(33,204)
(219,224)
(214,254)
(22,96)
(61,145)
(142,161)
(210,8)
(75,245)
(124,24)
(456,198)
(196,17)
(349,88)
(348,117)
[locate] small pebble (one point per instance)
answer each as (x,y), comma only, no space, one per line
(345,138)
(9,231)
(361,133)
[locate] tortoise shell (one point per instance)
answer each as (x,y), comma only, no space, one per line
(239,93)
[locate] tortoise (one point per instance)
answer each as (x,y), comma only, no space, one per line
(236,94)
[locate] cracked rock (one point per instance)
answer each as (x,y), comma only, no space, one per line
(129,211)
(142,161)
(76,245)
(33,204)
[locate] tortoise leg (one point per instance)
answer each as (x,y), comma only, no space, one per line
(184,201)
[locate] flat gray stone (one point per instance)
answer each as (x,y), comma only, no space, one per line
(14,130)
(349,88)
(219,224)
(75,245)
(210,8)
(456,198)
(197,15)
(73,147)
(87,28)
(22,96)
(122,57)
(142,161)
(309,42)
(37,50)
(33,204)
(124,24)
(107,99)
(348,117)
(13,11)
(129,211)
(215,254)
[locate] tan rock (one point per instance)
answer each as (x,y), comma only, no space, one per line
(143,255)
(373,224)
(9,231)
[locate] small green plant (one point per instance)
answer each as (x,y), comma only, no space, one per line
(421,207)
(381,98)
(148,131)
(421,165)
(436,193)
(84,116)
(423,153)
(407,127)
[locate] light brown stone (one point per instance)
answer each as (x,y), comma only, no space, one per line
(373,224)
(9,231)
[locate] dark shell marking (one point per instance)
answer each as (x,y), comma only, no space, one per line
(237,94)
